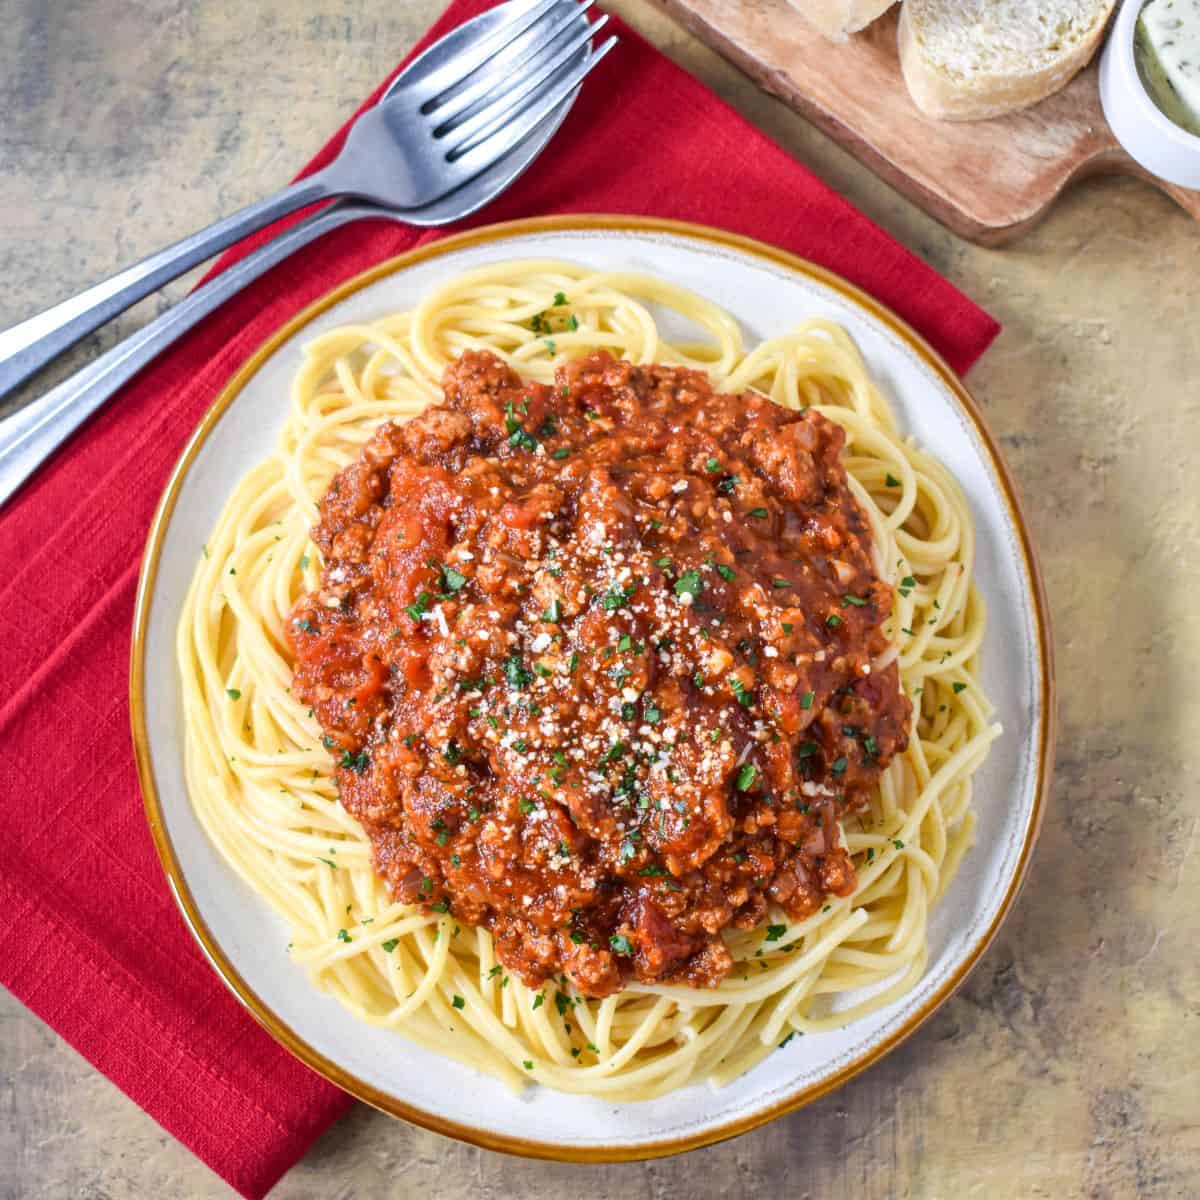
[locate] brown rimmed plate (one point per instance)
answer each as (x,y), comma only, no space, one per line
(768,291)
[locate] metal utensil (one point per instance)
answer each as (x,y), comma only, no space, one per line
(29,436)
(451,116)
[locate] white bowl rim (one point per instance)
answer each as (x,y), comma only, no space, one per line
(1142,128)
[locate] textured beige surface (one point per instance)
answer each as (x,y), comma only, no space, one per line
(1069,1064)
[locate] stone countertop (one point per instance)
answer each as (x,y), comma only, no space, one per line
(1069,1063)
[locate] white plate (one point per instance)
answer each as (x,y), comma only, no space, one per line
(768,291)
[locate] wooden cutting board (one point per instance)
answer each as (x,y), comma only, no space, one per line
(987,180)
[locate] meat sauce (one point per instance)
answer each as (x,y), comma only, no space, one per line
(594,663)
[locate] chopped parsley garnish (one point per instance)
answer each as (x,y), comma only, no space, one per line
(526,806)
(390,945)
(838,766)
(458,1002)
(891,480)
(833,619)
(806,749)
(343,935)
(560,299)
(745,696)
(518,437)
(419,607)
(357,763)
(689,584)
(453,753)
(775,932)
(307,626)
(725,572)
(857,601)
(233,693)
(614,752)
(806,701)
(442,906)
(515,672)
(746,777)
(959,687)
(452,580)
(712,466)
(653,714)
(760,513)
(621,944)
(617,597)
(898,843)
(561,453)
(539,1000)
(727,485)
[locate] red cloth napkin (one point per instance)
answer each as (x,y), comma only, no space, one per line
(90,938)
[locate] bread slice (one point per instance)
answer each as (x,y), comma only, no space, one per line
(836,18)
(965,60)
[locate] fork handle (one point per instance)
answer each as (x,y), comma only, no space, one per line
(30,435)
(29,346)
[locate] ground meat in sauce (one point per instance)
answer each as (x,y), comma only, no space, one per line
(593,661)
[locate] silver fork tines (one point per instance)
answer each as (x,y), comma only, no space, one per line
(457,69)
(508,67)
(527,116)
(510,99)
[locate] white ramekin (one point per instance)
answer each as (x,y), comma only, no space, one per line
(1147,133)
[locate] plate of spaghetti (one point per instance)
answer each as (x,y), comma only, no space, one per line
(591,685)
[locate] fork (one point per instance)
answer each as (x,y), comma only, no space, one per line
(30,435)
(416,145)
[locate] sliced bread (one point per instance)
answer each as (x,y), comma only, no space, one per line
(965,60)
(836,18)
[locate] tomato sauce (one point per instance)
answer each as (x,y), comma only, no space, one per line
(594,661)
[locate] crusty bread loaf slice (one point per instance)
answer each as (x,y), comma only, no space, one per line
(836,18)
(965,60)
